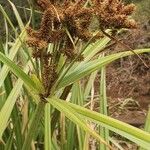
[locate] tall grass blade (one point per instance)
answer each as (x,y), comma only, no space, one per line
(33,125)
(18,18)
(134,134)
(147,125)
(16,120)
(71,135)
(9,143)
(73,116)
(13,51)
(84,69)
(79,101)
(9,104)
(18,72)
(103,106)
(47,141)
(71,126)
(7,18)
(89,84)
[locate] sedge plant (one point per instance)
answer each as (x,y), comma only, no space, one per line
(43,105)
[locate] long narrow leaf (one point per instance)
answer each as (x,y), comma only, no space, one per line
(11,56)
(147,125)
(84,69)
(103,106)
(73,116)
(48,141)
(18,72)
(134,134)
(16,121)
(9,104)
(33,125)
(94,48)
(20,23)
(7,18)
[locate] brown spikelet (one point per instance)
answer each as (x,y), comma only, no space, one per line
(46,72)
(49,74)
(131,24)
(114,14)
(30,31)
(65,22)
(80,58)
(128,10)
(56,35)
(43,4)
(36,43)
(46,24)
(77,18)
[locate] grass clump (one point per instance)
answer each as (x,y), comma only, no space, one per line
(48,97)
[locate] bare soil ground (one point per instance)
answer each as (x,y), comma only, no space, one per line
(128,80)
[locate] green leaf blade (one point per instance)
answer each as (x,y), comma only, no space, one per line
(86,68)
(18,72)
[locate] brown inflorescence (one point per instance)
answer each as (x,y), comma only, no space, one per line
(113,14)
(66,17)
(49,74)
(76,18)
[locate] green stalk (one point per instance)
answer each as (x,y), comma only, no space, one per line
(103,107)
(9,143)
(32,5)
(15,119)
(56,113)
(134,134)
(71,64)
(47,141)
(33,125)
(62,132)
(147,125)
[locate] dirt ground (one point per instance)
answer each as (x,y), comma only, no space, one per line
(128,80)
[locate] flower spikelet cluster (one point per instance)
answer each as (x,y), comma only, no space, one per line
(68,21)
(58,17)
(49,74)
(76,18)
(114,14)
